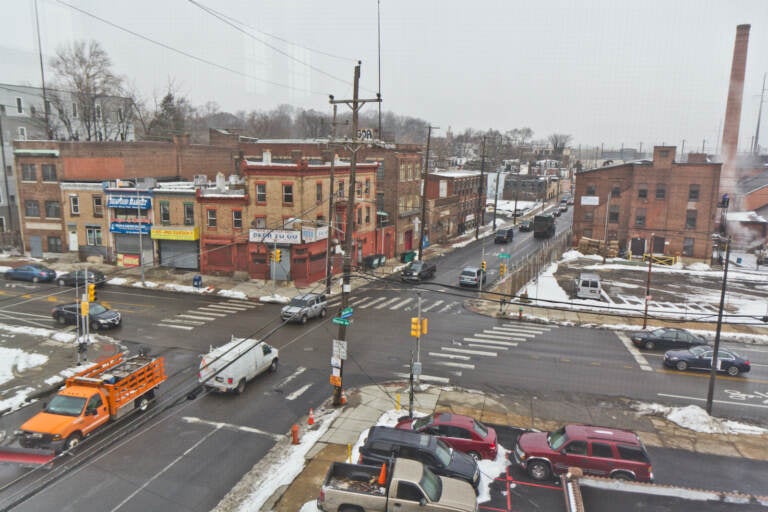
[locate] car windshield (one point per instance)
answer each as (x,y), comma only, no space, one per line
(431,484)
(66,405)
(97,308)
(557,438)
(416,265)
(697,351)
(480,429)
(424,421)
(443,453)
(299,302)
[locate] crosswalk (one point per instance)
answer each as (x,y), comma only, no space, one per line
(400,303)
(461,354)
(201,315)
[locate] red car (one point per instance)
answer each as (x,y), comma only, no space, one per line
(462,433)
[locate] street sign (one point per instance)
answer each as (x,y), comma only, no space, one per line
(340,321)
(504,255)
(340,349)
(346,312)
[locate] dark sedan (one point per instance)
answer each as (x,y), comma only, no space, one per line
(78,277)
(99,317)
(418,271)
(33,272)
(700,358)
(667,338)
(526,225)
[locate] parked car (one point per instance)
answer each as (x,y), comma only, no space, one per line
(667,338)
(460,432)
(504,236)
(526,225)
(598,451)
(303,307)
(700,358)
(78,277)
(99,316)
(32,272)
(382,443)
(418,270)
(471,276)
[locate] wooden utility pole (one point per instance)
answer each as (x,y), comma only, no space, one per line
(424,173)
(480,205)
(329,262)
(349,232)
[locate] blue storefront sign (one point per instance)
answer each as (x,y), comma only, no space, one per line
(133,202)
(130,228)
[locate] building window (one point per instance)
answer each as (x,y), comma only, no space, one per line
(687,246)
(93,235)
(98,206)
(591,190)
(693,192)
(237,219)
(74,205)
(54,244)
(402,172)
(22,133)
(19,106)
(28,172)
(380,172)
(615,191)
(31,208)
(359,216)
(211,215)
(287,193)
(367,187)
(165,212)
(588,233)
(589,216)
(613,214)
(640,217)
(690,219)
(261,192)
(319,192)
(367,214)
(341,188)
(74,110)
(259,223)
(189,214)
(53,209)
(359,189)
(49,172)
(642,193)
(661,191)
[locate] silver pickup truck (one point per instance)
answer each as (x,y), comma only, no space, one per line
(403,486)
(303,307)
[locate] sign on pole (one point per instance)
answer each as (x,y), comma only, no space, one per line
(340,349)
(346,312)
(504,256)
(340,321)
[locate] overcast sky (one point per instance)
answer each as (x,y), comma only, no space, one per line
(607,72)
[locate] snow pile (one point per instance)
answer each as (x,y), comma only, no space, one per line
(695,418)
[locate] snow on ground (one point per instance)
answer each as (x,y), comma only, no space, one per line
(695,418)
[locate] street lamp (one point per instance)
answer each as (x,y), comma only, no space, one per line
(714,362)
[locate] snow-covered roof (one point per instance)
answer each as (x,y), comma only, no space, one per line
(745,217)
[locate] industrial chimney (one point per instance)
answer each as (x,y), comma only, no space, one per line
(728,176)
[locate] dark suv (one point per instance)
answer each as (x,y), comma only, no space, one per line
(598,451)
(504,236)
(385,442)
(418,271)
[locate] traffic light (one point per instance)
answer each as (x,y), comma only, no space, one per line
(269,256)
(423,326)
(277,255)
(502,269)
(415,327)
(91,292)
(482,265)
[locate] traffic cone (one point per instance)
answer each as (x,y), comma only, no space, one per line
(343,398)
(383,475)
(311,420)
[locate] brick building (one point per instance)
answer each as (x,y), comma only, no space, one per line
(454,203)
(661,205)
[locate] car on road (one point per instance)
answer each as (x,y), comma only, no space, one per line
(305,306)
(460,432)
(99,317)
(667,338)
(556,212)
(700,358)
(598,451)
(504,235)
(526,225)
(418,270)
(32,272)
(471,276)
(78,277)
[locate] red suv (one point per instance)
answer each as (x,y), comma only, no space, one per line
(462,433)
(598,451)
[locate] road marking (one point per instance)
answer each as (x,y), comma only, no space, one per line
(184,321)
(641,360)
(483,345)
(371,303)
(714,401)
(434,305)
(493,342)
(197,317)
(501,336)
(185,327)
(225,307)
(230,426)
(470,352)
(387,303)
(403,303)
(455,365)
(431,378)
(450,356)
(292,376)
(516,332)
(246,305)
(358,301)
(446,308)
(296,394)
(525,327)
(212,313)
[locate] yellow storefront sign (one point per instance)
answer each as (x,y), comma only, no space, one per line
(176,234)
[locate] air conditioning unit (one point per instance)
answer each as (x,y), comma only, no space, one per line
(200,179)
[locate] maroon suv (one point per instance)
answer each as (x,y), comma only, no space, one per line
(598,451)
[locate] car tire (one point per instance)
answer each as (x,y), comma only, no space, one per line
(7,277)
(94,326)
(622,475)
(303,319)
(60,319)
(72,441)
(539,470)
(240,387)
(323,312)
(649,345)
(475,456)
(61,282)
(142,403)
(273,366)
(682,366)
(733,371)
(35,279)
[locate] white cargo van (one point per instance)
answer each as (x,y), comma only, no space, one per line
(230,366)
(588,286)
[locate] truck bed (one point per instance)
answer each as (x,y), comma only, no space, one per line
(355,478)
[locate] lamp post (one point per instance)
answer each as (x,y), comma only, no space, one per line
(714,363)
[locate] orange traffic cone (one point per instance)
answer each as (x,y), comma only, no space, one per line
(343,398)
(383,475)
(311,420)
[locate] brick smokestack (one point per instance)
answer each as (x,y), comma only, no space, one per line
(728,176)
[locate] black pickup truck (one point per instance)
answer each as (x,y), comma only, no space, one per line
(418,271)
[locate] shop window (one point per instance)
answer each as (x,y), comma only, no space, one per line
(31,208)
(54,244)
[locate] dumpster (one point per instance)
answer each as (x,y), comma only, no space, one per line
(370,262)
(407,256)
(382,259)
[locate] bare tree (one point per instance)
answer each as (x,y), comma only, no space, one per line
(559,141)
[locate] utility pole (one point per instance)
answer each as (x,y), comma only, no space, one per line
(714,363)
(139,224)
(648,283)
(480,205)
(328,262)
(424,173)
(48,130)
(756,145)
(5,178)
(355,104)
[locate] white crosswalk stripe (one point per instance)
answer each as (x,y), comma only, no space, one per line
(449,306)
(371,303)
(185,327)
(224,308)
(454,365)
(497,335)
(525,327)
(387,303)
(197,317)
(176,319)
(403,303)
(243,304)
(485,345)
(427,378)
(432,306)
(471,352)
(450,356)
(212,313)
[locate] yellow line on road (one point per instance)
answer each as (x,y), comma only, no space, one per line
(705,375)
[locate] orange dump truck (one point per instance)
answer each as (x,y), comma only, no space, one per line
(89,399)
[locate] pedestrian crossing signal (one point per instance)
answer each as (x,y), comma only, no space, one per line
(91,292)
(423,326)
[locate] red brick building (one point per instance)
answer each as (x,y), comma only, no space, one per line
(455,204)
(662,206)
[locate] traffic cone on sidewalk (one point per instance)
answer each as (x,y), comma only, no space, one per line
(311,420)
(383,475)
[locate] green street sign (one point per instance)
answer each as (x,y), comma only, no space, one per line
(346,312)
(504,256)
(340,321)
